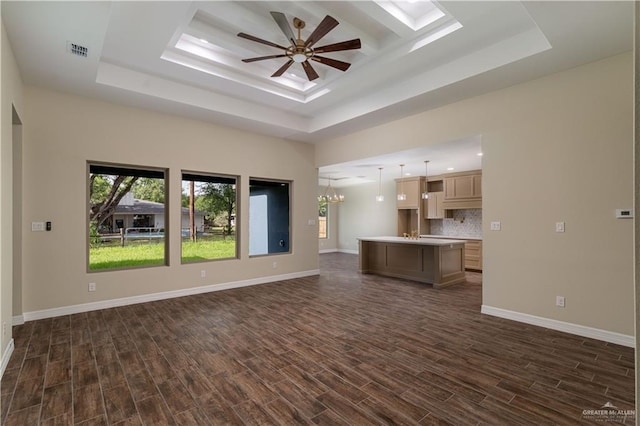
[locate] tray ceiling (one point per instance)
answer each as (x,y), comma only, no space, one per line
(185,57)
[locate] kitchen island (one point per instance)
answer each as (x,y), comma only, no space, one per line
(435,261)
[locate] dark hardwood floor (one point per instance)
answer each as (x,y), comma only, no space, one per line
(338,349)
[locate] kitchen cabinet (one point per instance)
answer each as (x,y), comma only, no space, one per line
(461,187)
(473,255)
(434,207)
(463,190)
(428,260)
(411,217)
(412,188)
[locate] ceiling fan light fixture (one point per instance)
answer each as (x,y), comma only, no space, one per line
(299,57)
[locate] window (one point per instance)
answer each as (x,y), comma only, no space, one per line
(208,217)
(127,217)
(323,219)
(269,217)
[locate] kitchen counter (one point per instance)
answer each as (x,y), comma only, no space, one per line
(436,261)
(446,237)
(423,240)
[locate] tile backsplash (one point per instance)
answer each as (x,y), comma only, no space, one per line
(465,223)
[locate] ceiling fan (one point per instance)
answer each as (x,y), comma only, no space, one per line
(302,51)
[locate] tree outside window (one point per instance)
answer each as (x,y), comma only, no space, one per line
(127,217)
(323,219)
(209,204)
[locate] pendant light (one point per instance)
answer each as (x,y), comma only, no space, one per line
(425,194)
(330,195)
(380,197)
(402,196)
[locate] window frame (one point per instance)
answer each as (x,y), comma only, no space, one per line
(205,175)
(166,213)
(326,220)
(274,181)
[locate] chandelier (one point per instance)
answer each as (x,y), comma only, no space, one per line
(330,195)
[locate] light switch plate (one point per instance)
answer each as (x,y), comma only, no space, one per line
(37,226)
(559,226)
(624,213)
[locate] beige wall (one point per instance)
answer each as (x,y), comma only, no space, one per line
(62,132)
(362,216)
(10,97)
(558,148)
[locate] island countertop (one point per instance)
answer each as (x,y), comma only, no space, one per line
(451,237)
(419,241)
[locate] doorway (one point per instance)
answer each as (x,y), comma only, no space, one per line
(16,195)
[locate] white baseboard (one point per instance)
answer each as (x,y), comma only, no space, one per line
(348,251)
(323,251)
(567,327)
(17,320)
(112,303)
(5,357)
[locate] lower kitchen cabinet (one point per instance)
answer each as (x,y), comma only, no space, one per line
(473,255)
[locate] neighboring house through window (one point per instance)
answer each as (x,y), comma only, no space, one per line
(125,231)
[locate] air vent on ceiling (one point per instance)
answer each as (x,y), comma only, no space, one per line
(77,49)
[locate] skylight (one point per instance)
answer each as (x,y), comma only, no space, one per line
(415,14)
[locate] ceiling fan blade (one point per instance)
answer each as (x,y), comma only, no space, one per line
(262,58)
(343,45)
(282,69)
(281,20)
(259,40)
(342,66)
(327,24)
(311,73)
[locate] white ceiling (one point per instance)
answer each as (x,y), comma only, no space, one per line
(446,157)
(151,54)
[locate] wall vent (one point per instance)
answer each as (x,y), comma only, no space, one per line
(77,49)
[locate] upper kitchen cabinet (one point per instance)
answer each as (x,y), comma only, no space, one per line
(463,190)
(463,186)
(412,188)
(435,206)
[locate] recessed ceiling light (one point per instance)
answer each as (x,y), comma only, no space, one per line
(204,41)
(479,154)
(449,168)
(407,174)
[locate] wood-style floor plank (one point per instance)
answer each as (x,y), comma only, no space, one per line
(340,348)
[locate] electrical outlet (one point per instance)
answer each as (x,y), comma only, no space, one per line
(92,286)
(495,226)
(560,301)
(203,274)
(274,265)
(559,226)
